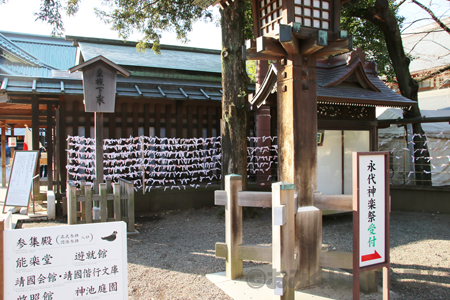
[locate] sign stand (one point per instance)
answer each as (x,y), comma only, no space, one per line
(371,217)
(21,179)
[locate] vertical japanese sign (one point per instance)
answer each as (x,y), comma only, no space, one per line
(372,209)
(66,262)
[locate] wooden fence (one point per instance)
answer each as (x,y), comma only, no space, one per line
(281,252)
(116,203)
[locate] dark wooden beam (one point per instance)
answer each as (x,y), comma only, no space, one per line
(49,140)
(287,39)
(35,135)
(270,46)
(335,47)
(314,44)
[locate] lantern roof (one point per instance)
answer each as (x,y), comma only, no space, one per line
(119,69)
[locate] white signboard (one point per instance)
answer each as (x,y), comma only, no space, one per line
(372,210)
(12,142)
(66,262)
(21,178)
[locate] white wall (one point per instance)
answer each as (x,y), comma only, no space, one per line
(329,159)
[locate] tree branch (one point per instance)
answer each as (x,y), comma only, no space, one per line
(432,74)
(435,18)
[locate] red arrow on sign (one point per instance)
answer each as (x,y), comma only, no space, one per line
(367,257)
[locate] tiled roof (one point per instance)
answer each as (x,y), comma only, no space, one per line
(336,85)
(55,52)
(173,58)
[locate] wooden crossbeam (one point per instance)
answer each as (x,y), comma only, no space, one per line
(247,252)
(314,43)
(270,46)
(287,39)
(264,199)
(335,47)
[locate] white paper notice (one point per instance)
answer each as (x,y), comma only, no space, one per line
(21,178)
(66,262)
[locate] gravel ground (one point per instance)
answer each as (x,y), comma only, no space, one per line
(174,250)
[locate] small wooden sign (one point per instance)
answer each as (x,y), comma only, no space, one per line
(21,179)
(99,83)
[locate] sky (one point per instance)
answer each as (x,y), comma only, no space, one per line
(18,16)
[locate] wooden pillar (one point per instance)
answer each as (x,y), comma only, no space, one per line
(233,226)
(49,140)
(200,121)
(158,120)
(124,120)
(35,135)
(297,144)
(283,239)
(179,112)
(3,154)
(146,119)
(168,121)
(12,148)
(263,130)
(135,119)
(98,149)
(62,144)
(190,125)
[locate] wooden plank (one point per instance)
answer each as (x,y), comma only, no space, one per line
(136,119)
(179,121)
(255,253)
(146,119)
(103,201)
(233,226)
(246,198)
(82,204)
(157,120)
(334,48)
(124,120)
(336,259)
(88,203)
(199,121)
(130,194)
(71,203)
(190,125)
(218,118)
(111,125)
(209,109)
(87,124)
(168,120)
(221,250)
(333,202)
(117,206)
(57,172)
(270,46)
(316,42)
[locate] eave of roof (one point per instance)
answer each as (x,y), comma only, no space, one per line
(154,88)
(343,94)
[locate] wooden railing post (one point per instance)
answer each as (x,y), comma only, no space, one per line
(71,203)
(110,206)
(233,226)
(283,239)
(103,202)
(88,202)
(82,203)
(117,206)
(130,193)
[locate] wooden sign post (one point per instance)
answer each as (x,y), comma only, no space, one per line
(371,215)
(99,89)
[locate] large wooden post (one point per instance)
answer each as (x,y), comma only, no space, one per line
(297,132)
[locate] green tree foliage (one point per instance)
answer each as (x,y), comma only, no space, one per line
(368,36)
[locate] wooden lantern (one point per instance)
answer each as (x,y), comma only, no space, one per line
(311,15)
(99,83)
